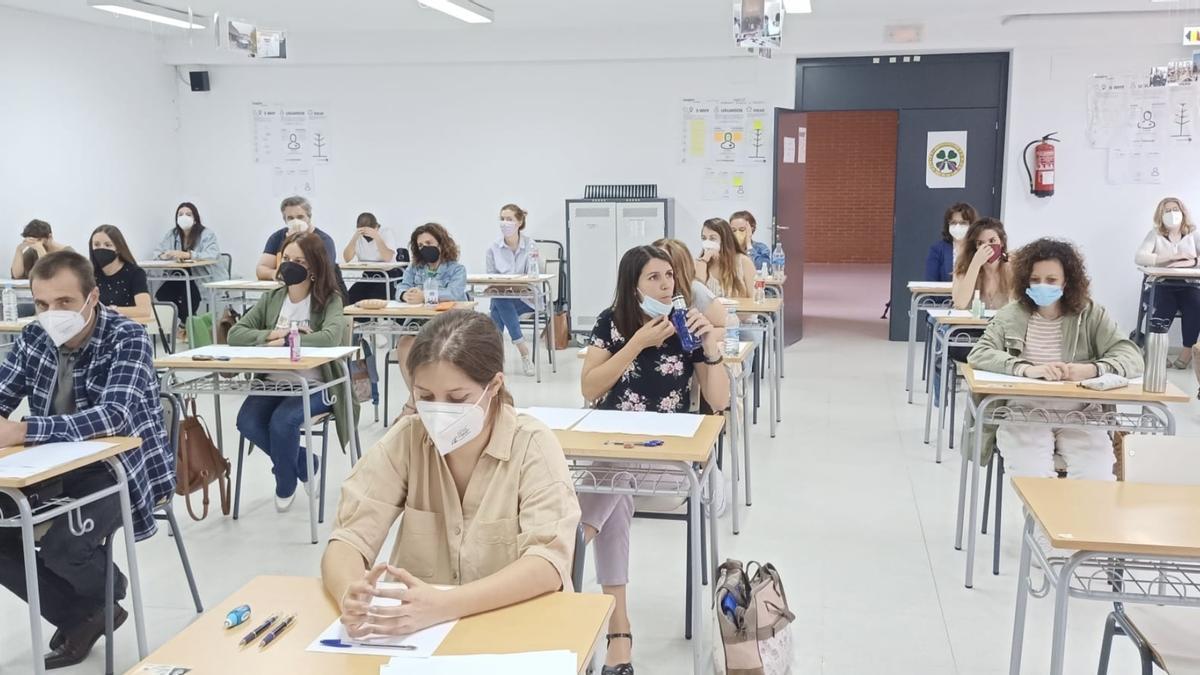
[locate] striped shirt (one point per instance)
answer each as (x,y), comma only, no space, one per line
(1043,340)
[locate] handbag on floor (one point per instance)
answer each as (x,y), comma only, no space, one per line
(199,464)
(752,632)
(557,331)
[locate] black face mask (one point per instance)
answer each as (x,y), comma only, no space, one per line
(103,257)
(291,273)
(429,254)
(368,239)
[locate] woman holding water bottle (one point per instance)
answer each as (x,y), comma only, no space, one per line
(637,361)
(433,276)
(512,253)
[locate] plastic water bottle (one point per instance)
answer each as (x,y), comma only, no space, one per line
(534,267)
(431,291)
(733,332)
(760,285)
(8,298)
(678,317)
(294,341)
(977,306)
(778,262)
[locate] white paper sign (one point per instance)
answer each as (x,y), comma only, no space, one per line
(946,160)
(789,150)
(802,145)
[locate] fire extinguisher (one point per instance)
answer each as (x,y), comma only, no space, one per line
(1041,179)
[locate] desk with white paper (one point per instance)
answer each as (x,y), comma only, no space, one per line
(642,423)
(528,663)
(557,419)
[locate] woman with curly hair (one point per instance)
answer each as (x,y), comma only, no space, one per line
(1054,332)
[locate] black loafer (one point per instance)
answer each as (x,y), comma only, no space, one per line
(75,644)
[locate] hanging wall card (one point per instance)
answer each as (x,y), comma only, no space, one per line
(697,115)
(729,131)
(757,147)
(1145,123)
(946,160)
(1181,112)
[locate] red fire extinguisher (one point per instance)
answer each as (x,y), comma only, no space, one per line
(1041,179)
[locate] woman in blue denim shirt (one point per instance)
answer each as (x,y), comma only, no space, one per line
(434,255)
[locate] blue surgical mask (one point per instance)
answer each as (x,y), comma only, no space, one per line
(655,308)
(1044,295)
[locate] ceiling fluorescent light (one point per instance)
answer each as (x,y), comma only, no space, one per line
(463,10)
(797,6)
(147,11)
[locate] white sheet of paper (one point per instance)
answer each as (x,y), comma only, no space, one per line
(789,150)
(557,418)
(959,313)
(528,663)
(932,284)
(983,376)
(265,352)
(426,642)
(39,458)
(642,423)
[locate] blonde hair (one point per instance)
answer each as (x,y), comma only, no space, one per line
(727,258)
(681,264)
(1185,229)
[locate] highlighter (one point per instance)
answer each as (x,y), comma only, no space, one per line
(237,616)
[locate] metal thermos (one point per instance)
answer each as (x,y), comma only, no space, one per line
(1154,378)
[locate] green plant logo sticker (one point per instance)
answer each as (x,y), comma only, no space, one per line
(946,159)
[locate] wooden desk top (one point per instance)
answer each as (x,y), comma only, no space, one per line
(117,445)
(957,317)
(175,264)
(184,361)
(1171,272)
(572,621)
(358,266)
(20,324)
(508,278)
(749,306)
(244,285)
(926,287)
(405,312)
(1130,394)
(1115,517)
(15,283)
(697,449)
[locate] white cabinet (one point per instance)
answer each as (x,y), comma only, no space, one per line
(598,234)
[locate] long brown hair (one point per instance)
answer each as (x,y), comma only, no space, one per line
(449,249)
(627,312)
(467,339)
(746,216)
(967,250)
(118,240)
(517,211)
(962,208)
(727,259)
(1185,229)
(681,263)
(320,272)
(189,239)
(1076,285)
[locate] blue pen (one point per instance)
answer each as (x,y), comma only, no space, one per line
(237,616)
(341,644)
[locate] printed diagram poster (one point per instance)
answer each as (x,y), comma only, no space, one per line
(292,135)
(1134,167)
(697,115)
(1107,102)
(729,131)
(723,185)
(758,134)
(1181,112)
(266,124)
(293,180)
(946,160)
(1146,122)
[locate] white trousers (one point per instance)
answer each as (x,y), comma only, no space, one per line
(1029,451)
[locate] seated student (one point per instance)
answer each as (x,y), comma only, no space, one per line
(723,265)
(695,293)
(122,283)
(189,239)
(87,373)
(636,362)
(434,257)
(36,241)
(509,254)
(297,216)
(1174,241)
(744,226)
(309,298)
(939,263)
(1054,331)
(371,243)
(984,267)
(487,501)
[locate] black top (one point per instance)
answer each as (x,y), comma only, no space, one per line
(658,380)
(120,289)
(275,243)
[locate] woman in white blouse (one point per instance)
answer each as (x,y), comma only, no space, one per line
(1174,241)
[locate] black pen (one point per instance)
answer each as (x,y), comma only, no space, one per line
(287,623)
(253,635)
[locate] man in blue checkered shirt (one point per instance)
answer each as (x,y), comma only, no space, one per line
(87,373)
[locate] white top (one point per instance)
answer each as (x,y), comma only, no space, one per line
(367,251)
(701,296)
(1157,251)
(300,312)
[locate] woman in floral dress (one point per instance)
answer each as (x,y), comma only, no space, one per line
(636,362)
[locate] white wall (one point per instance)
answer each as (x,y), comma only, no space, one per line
(89,124)
(452,143)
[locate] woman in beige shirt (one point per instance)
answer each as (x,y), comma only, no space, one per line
(488,504)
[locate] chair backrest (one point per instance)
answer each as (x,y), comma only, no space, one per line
(166,315)
(1169,460)
(172,416)
(553,257)
(577,561)
(228,258)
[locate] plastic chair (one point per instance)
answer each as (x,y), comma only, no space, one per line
(245,448)
(578,559)
(228,259)
(166,316)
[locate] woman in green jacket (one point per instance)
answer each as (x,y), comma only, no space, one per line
(310,299)
(1054,332)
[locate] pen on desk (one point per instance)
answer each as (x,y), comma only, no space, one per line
(342,644)
(287,623)
(262,627)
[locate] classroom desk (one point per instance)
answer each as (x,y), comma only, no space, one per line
(27,519)
(570,621)
(771,310)
(226,293)
(1133,543)
(534,290)
(371,273)
(775,290)
(9,330)
(161,271)
(738,377)
(214,381)
(1001,402)
(396,320)
(677,468)
(925,295)
(958,325)
(1153,277)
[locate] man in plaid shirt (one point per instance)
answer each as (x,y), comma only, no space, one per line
(87,373)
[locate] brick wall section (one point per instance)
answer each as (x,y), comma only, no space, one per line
(851,186)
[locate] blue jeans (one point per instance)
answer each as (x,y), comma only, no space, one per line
(506,314)
(273,423)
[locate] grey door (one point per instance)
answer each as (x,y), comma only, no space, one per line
(919,209)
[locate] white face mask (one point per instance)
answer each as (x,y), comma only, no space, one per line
(710,245)
(185,222)
(452,425)
(507,228)
(958,231)
(62,324)
(297,225)
(1173,219)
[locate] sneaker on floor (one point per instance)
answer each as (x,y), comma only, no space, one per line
(282,504)
(527,366)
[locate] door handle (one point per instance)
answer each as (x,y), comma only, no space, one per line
(782,227)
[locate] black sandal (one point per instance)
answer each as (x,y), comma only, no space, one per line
(621,668)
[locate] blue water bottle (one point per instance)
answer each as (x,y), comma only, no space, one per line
(679,312)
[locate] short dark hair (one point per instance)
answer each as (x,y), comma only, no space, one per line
(49,265)
(1076,285)
(39,229)
(962,208)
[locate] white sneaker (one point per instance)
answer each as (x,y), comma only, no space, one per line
(282,504)
(527,366)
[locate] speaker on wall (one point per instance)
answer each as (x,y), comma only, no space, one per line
(199,80)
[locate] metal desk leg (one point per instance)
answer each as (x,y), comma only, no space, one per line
(1062,595)
(713,523)
(1018,639)
(550,344)
(731,423)
(695,591)
(768,338)
(308,457)
(32,593)
(779,372)
(537,365)
(945,391)
(976,453)
(970,417)
(746,435)
(933,338)
(348,392)
(912,346)
(135,583)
